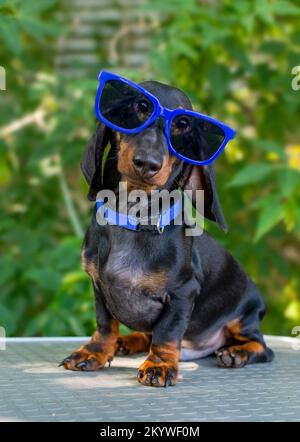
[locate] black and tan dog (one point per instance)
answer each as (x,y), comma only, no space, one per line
(185,296)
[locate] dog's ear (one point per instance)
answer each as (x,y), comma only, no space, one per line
(92,165)
(203,178)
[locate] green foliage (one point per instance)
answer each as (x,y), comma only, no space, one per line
(20,19)
(44,291)
(234,59)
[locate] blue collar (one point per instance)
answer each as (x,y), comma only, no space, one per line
(132,223)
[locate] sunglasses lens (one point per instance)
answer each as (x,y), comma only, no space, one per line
(195,138)
(124,105)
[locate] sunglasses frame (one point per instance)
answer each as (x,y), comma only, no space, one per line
(159,110)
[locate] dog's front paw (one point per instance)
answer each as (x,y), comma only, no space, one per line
(83,360)
(161,374)
(231,358)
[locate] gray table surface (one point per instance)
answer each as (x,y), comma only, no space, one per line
(33,388)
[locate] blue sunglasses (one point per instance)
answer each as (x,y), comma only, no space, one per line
(128,108)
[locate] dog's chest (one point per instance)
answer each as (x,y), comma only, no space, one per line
(133,294)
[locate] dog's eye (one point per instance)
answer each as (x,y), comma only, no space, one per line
(142,106)
(183,124)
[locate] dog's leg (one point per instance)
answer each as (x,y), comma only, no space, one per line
(243,346)
(134,343)
(101,348)
(161,366)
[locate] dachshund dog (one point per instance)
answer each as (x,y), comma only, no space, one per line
(185,297)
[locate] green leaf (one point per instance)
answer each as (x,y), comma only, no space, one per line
(45,278)
(5,174)
(252,173)
(286,8)
(290,213)
(38,29)
(37,325)
(183,48)
(124,331)
(10,33)
(266,200)
(75,325)
(273,47)
(270,146)
(7,269)
(72,278)
(7,320)
(289,180)
(33,8)
(298,218)
(239,54)
(219,79)
(292,311)
(163,64)
(212,35)
(264,11)
(270,215)
(169,6)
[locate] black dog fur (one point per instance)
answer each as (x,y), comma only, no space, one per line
(183,295)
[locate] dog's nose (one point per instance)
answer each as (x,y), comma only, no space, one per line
(146,166)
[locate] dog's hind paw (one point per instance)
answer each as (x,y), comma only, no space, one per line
(134,343)
(232,359)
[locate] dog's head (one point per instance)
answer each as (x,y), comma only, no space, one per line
(144,161)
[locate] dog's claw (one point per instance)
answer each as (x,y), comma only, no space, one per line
(155,378)
(122,351)
(64,361)
(81,365)
(168,380)
(148,376)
